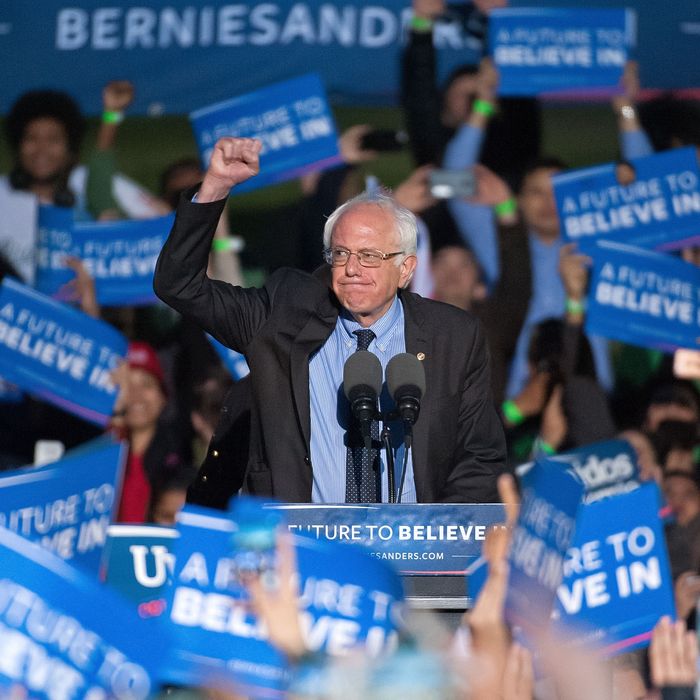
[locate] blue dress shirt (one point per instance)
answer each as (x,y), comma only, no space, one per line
(330,411)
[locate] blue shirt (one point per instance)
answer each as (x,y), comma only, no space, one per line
(475,222)
(635,144)
(330,411)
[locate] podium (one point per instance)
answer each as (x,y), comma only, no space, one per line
(433,546)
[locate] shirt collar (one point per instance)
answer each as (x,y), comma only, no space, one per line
(383,327)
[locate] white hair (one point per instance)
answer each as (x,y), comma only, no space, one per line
(406,224)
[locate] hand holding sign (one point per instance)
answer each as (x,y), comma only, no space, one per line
(233,161)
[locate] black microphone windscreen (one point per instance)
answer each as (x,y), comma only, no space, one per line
(362,369)
(405,370)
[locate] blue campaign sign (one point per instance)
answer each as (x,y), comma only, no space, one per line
(347,599)
(214,635)
(539,51)
(605,468)
(550,501)
(617,580)
(293,121)
(651,202)
(66,506)
(234,361)
(58,353)
(643,298)
(138,562)
(63,635)
(119,255)
(416,539)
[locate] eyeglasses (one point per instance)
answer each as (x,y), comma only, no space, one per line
(338,257)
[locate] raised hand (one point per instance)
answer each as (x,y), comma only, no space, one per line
(554,425)
(233,161)
(573,269)
(350,144)
(487,80)
(117,95)
(485,6)
(673,654)
(429,9)
(414,192)
(490,188)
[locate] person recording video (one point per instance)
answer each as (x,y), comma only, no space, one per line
(298,332)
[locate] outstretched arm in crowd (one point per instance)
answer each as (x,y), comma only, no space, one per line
(497,667)
(420,96)
(117,95)
(475,219)
(634,142)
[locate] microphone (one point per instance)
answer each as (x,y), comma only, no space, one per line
(405,377)
(362,382)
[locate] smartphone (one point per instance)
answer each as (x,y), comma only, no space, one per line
(384,140)
(446,184)
(686,364)
(254,542)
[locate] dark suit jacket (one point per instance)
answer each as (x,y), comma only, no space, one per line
(458,447)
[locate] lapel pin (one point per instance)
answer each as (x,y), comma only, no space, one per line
(421,356)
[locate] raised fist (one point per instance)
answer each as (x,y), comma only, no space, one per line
(117,95)
(429,9)
(233,161)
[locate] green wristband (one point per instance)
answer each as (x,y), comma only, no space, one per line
(542,446)
(512,413)
(483,107)
(421,24)
(112,117)
(575,307)
(224,245)
(510,206)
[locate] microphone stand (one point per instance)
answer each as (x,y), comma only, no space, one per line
(407,442)
(391,479)
(394,494)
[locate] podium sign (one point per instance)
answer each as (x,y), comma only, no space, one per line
(417,539)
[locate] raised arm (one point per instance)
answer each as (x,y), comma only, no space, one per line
(231,314)
(420,96)
(634,142)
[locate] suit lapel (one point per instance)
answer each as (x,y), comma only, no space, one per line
(418,344)
(312,335)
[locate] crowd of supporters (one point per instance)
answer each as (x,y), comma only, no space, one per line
(498,254)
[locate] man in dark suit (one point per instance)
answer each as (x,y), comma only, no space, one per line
(297,331)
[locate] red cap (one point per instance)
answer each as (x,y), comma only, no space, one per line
(143,356)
